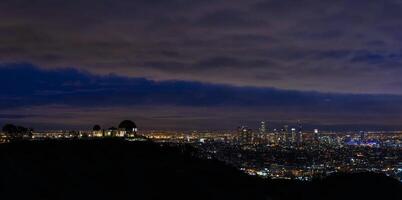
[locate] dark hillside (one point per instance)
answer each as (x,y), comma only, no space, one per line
(116,169)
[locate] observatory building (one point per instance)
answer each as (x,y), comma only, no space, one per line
(127,128)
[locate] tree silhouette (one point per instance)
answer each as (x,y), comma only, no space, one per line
(96,128)
(9,129)
(16,132)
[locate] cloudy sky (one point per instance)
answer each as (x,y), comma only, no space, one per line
(200,64)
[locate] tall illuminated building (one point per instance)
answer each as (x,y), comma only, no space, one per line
(282,136)
(286,134)
(316,135)
(276,136)
(299,138)
(246,135)
(262,128)
(293,139)
(262,135)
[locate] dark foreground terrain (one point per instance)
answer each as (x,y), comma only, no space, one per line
(115,169)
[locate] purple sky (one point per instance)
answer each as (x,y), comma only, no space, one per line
(191,64)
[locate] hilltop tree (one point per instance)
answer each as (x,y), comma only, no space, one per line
(16,132)
(9,129)
(96,128)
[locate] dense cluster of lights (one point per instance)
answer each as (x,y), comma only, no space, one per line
(317,155)
(279,154)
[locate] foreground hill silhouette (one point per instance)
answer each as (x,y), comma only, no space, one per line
(116,169)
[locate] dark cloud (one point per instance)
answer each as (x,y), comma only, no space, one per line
(72,98)
(368,57)
(222,19)
(13,116)
(336,54)
(322,45)
(231,62)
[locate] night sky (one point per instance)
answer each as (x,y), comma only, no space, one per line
(201,64)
